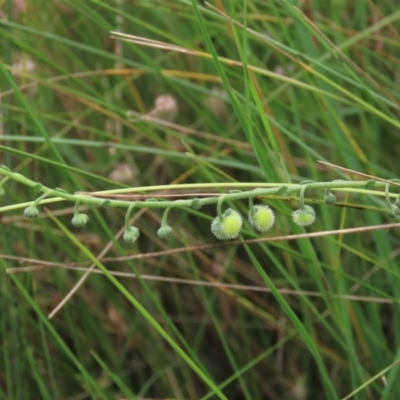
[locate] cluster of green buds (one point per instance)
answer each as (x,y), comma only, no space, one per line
(131,233)
(261,217)
(228,224)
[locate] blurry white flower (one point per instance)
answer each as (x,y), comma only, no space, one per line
(24,64)
(279,70)
(216,103)
(121,173)
(19,6)
(165,107)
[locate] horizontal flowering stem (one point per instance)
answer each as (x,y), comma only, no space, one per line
(362,187)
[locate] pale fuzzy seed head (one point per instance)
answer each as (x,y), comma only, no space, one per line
(131,234)
(164,232)
(165,107)
(304,216)
(31,212)
(229,227)
(79,220)
(262,219)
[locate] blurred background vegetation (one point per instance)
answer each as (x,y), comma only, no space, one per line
(223,92)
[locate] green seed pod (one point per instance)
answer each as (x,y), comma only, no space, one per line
(329,198)
(164,231)
(304,216)
(229,227)
(2,192)
(31,212)
(393,211)
(79,220)
(131,234)
(262,218)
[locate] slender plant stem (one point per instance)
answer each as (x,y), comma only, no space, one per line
(219,206)
(165,217)
(362,187)
(301,198)
(128,215)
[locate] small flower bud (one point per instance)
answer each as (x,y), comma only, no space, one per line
(164,232)
(131,234)
(229,227)
(304,216)
(262,218)
(393,211)
(79,220)
(31,212)
(397,201)
(195,204)
(329,198)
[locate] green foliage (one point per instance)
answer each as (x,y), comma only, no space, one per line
(209,105)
